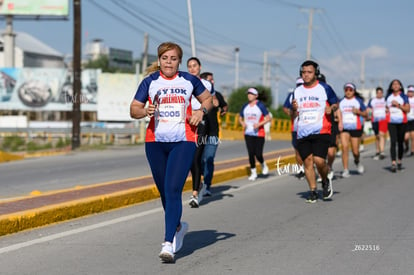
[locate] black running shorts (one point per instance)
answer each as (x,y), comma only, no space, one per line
(354,133)
(316,145)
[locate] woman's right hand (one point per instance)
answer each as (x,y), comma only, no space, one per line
(150,110)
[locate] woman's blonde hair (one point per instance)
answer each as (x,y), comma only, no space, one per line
(162,48)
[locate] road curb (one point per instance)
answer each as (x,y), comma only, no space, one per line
(19,221)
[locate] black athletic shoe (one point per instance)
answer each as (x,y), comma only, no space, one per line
(327,189)
(313,197)
(300,175)
(393,168)
(399,166)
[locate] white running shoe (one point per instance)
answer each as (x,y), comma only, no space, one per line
(330,175)
(345,173)
(327,189)
(193,201)
(265,169)
(166,255)
(253,175)
(179,237)
(360,168)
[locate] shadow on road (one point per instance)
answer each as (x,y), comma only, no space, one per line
(217,192)
(195,240)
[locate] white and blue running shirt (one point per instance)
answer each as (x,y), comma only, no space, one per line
(173,99)
(312,102)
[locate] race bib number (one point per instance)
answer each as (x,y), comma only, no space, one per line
(309,117)
(379,113)
(349,118)
(396,112)
(171,112)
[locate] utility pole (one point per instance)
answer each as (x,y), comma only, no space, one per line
(310,29)
(362,71)
(236,80)
(145,55)
(264,69)
(190,21)
(76,111)
(309,45)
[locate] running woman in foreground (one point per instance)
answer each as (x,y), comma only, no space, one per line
(171,134)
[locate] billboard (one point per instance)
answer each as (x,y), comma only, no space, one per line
(116,92)
(39,89)
(35,7)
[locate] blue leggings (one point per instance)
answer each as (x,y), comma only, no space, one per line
(170,164)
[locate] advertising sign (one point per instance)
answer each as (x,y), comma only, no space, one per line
(116,92)
(34,7)
(38,89)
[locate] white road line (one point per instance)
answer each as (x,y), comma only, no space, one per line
(77,231)
(114,221)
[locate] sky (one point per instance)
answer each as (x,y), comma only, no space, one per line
(353,40)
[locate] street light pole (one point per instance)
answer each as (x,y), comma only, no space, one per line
(190,21)
(236,80)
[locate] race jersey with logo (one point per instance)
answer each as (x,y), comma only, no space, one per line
(288,105)
(378,107)
(349,119)
(252,115)
(410,115)
(172,96)
(396,114)
(312,102)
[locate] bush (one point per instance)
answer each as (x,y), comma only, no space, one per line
(63,143)
(32,146)
(13,143)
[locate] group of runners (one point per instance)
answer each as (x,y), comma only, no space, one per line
(177,103)
(322,123)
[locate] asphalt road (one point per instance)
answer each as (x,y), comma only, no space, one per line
(261,227)
(83,168)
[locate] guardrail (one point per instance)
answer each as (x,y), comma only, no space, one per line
(89,135)
(230,121)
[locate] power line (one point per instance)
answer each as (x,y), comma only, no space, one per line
(120,19)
